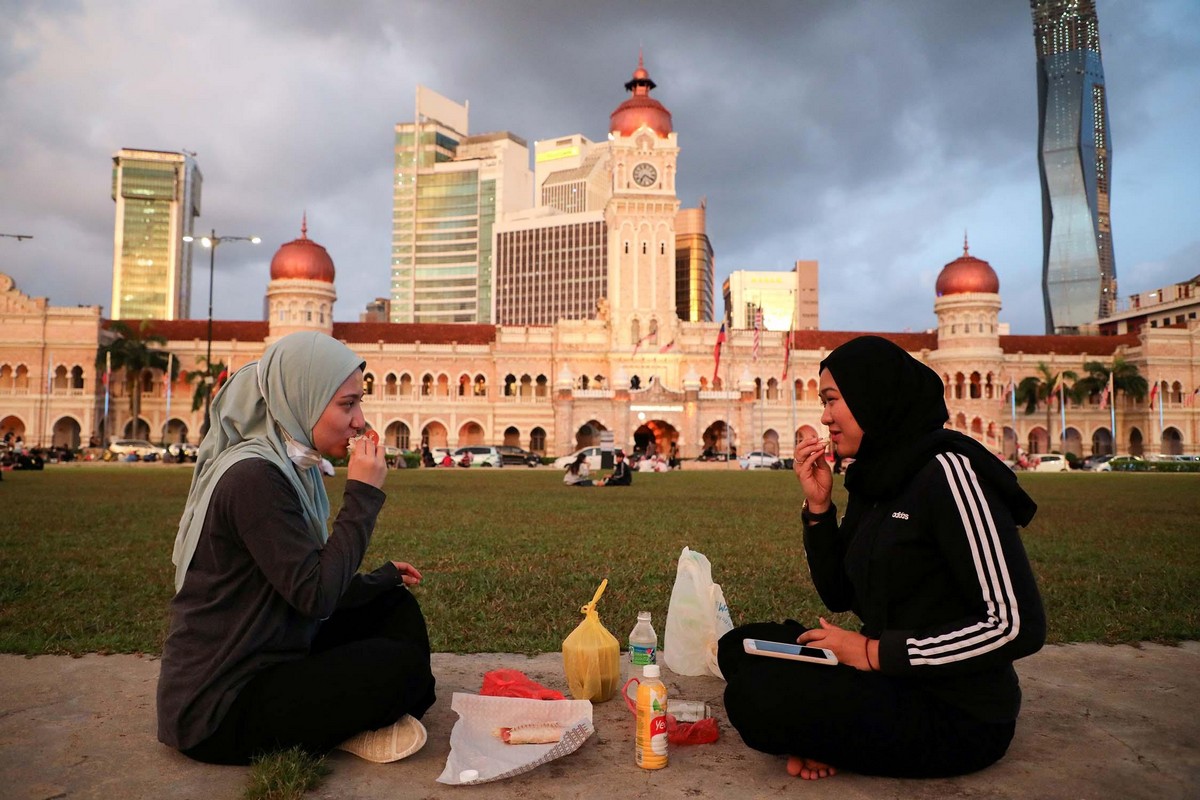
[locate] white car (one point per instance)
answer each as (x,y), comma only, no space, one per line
(481,456)
(1050,462)
(759,460)
(121,448)
(593,458)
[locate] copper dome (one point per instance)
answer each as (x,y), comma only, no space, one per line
(302,258)
(967,274)
(640,109)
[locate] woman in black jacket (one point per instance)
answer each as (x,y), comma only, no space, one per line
(928,557)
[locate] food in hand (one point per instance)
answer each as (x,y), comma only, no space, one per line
(367,434)
(534,733)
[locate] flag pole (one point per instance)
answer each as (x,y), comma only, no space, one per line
(107,392)
(1012,401)
(1161,427)
(1062,411)
(170,357)
(1112,411)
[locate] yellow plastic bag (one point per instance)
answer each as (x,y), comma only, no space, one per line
(592,656)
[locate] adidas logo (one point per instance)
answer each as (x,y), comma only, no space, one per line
(899,515)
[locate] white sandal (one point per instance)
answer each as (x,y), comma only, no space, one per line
(399,740)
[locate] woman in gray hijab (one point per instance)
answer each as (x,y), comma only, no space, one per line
(275,639)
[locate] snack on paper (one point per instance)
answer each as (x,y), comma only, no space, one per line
(534,733)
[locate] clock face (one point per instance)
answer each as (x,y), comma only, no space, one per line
(644,174)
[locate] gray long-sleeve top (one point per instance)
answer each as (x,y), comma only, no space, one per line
(255,593)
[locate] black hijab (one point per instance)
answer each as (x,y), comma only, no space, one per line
(900,405)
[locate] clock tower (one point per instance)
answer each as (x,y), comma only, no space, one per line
(640,216)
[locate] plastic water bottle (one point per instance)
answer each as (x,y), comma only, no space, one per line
(643,643)
(651,738)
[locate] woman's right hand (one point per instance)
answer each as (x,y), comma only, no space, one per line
(816,478)
(367,463)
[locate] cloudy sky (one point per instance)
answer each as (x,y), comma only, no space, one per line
(866,134)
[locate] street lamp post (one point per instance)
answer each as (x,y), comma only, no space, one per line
(211,241)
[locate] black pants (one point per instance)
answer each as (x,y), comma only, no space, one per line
(863,722)
(368,667)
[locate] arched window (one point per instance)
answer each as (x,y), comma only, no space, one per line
(653,331)
(976,390)
(537,440)
(426,385)
(959,382)
(76,377)
(480,385)
(541,386)
(635,331)
(368,384)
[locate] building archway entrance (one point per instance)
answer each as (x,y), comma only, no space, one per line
(1102,443)
(137,429)
(397,435)
(719,439)
(13,425)
(470,433)
(588,434)
(175,431)
(434,435)
(655,437)
(66,434)
(1172,442)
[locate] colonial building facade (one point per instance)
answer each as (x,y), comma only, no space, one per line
(552,388)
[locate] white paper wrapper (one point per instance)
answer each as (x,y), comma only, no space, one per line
(474,746)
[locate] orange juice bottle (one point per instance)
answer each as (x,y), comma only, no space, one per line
(651,738)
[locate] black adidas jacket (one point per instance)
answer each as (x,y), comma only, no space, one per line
(939,575)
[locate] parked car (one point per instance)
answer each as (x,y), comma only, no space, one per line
(515,455)
(1122,464)
(1093,462)
(481,455)
(121,449)
(593,458)
(1050,462)
(759,460)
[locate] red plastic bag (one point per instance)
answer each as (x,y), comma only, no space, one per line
(703,732)
(514,683)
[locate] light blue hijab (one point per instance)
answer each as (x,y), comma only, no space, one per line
(268,410)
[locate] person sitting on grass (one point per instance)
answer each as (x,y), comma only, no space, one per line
(928,557)
(274,640)
(578,472)
(621,474)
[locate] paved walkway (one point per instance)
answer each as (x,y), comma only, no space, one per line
(1098,722)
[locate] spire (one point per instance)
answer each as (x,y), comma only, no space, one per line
(304,225)
(966,249)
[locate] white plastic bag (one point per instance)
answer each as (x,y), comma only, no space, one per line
(696,618)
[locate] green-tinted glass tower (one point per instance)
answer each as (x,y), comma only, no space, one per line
(158,197)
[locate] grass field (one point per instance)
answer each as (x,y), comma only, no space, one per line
(510,555)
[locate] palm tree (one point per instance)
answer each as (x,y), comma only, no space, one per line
(1039,389)
(1125,380)
(134,353)
(205,380)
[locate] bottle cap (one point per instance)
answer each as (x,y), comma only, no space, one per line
(643,615)
(651,671)
(468,775)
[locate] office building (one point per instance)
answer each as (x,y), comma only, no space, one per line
(158,197)
(694,266)
(1079,274)
(788,300)
(450,187)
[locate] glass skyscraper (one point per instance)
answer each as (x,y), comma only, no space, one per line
(449,188)
(157,196)
(1079,275)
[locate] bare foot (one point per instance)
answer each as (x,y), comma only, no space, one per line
(809,769)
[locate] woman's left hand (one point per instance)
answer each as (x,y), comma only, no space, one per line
(850,648)
(409,574)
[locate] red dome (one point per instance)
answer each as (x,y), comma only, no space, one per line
(302,258)
(640,109)
(967,274)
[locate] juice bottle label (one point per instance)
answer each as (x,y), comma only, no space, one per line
(651,736)
(642,654)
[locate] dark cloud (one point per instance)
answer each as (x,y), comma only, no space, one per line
(867,135)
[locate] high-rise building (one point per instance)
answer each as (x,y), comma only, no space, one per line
(158,197)
(1079,274)
(788,300)
(449,190)
(693,266)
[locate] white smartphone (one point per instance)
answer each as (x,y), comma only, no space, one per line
(793,652)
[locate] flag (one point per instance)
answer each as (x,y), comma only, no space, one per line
(787,354)
(1153,394)
(668,347)
(1104,397)
(757,328)
(1008,390)
(638,344)
(717,352)
(1190,400)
